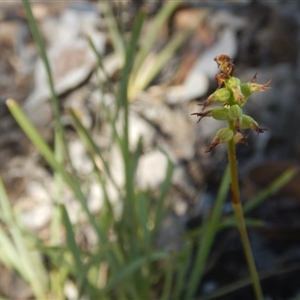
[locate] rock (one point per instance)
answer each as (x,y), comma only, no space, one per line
(195,85)
(71,59)
(39,216)
(197,81)
(139,128)
(79,157)
(151,170)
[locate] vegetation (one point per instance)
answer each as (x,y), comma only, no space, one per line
(125,263)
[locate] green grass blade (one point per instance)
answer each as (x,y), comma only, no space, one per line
(275,186)
(182,269)
(6,210)
(91,146)
(132,267)
(58,180)
(71,242)
(168,280)
(129,217)
(101,65)
(159,20)
(163,194)
(207,239)
(49,156)
(41,46)
(146,75)
(116,37)
(54,100)
(39,143)
(15,253)
(143,215)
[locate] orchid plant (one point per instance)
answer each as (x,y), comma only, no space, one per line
(233,95)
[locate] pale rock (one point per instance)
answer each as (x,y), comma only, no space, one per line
(226,44)
(151,169)
(71,291)
(175,125)
(39,210)
(37,217)
(71,60)
(95,198)
(79,157)
(139,128)
(195,85)
(197,81)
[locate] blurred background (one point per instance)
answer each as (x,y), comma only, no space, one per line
(173,70)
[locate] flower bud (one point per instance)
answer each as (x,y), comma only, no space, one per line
(245,88)
(251,87)
(233,83)
(255,87)
(220,95)
(223,136)
(220,113)
(249,123)
(235,113)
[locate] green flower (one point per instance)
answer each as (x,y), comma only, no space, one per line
(220,95)
(235,114)
(223,136)
(252,86)
(233,83)
(218,113)
(249,123)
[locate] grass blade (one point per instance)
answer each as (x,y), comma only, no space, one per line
(207,239)
(275,186)
(71,240)
(132,267)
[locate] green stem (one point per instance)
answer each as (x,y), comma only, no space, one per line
(238,211)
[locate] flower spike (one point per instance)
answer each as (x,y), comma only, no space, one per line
(233,94)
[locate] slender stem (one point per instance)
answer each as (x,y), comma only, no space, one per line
(238,211)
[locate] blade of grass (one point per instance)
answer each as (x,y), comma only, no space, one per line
(159,20)
(71,242)
(182,266)
(166,293)
(41,47)
(74,249)
(129,216)
(54,100)
(207,239)
(15,253)
(41,145)
(274,187)
(107,79)
(91,146)
(132,267)
(148,71)
(56,218)
(116,37)
(48,155)
(158,215)
(247,281)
